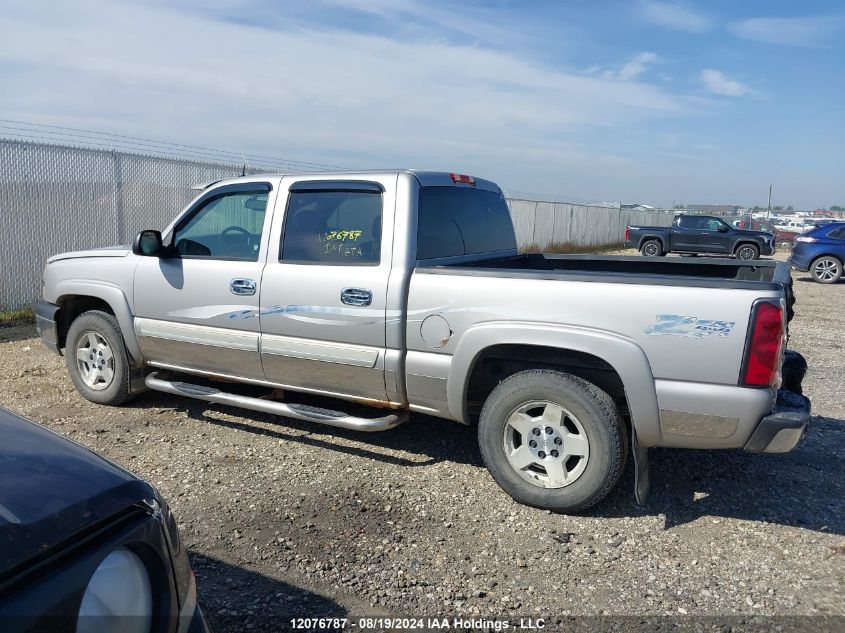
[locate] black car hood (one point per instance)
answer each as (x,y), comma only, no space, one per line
(52,489)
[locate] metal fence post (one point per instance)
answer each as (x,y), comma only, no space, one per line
(118,197)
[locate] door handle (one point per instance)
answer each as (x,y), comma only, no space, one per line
(356,296)
(242,287)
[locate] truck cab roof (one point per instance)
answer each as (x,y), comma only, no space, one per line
(424,177)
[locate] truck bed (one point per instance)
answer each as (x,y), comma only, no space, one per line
(706,273)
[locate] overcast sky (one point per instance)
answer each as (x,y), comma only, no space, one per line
(650,101)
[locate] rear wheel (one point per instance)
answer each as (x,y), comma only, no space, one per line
(826,269)
(96,358)
(651,248)
(552,440)
(747,252)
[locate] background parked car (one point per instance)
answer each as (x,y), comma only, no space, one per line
(821,251)
(783,238)
(85,546)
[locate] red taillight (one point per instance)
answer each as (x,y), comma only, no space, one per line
(764,348)
(627,233)
(462,179)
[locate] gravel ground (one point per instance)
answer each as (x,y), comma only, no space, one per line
(288,518)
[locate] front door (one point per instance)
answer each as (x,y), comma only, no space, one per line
(197,310)
(323,295)
(716,236)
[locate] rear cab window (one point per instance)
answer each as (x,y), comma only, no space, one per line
(455,221)
(329,224)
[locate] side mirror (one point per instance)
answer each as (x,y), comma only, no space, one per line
(148,243)
(723,229)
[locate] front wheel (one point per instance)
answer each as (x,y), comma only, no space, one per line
(826,269)
(552,440)
(747,252)
(96,358)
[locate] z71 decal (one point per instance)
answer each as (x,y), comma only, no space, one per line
(677,325)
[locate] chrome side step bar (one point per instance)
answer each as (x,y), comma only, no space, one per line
(298,411)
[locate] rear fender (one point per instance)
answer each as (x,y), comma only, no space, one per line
(659,238)
(626,357)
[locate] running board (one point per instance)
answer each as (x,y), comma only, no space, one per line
(298,411)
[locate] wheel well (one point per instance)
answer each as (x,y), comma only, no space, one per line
(836,257)
(498,362)
(744,242)
(71,307)
(656,238)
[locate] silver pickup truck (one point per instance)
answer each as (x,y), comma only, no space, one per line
(395,291)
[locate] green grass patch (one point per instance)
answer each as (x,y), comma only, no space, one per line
(16,317)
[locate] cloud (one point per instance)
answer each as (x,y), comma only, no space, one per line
(634,68)
(316,90)
(718,83)
(801,31)
(129,67)
(676,16)
(416,15)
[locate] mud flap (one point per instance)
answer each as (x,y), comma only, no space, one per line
(641,480)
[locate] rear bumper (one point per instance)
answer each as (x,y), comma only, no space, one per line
(781,431)
(45,323)
(801,256)
(798,264)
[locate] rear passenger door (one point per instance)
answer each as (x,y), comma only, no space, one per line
(323,293)
(687,234)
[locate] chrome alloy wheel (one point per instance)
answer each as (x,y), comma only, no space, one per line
(546,444)
(825,269)
(650,249)
(95,359)
(746,252)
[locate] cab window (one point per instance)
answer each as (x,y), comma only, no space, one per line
(456,221)
(227,226)
(691,222)
(333,227)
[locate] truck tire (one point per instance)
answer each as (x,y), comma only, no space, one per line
(826,269)
(96,358)
(747,252)
(552,440)
(652,248)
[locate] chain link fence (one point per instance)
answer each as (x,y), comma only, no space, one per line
(56,198)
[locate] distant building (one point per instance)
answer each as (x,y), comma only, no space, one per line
(714,209)
(635,206)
